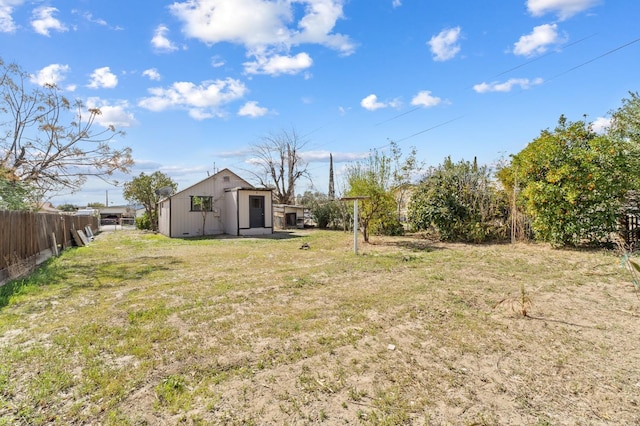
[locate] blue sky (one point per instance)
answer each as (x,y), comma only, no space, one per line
(195,83)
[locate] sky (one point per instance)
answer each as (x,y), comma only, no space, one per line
(195,83)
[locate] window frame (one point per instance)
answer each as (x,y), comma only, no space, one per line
(205,206)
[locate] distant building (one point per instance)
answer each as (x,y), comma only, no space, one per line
(288,216)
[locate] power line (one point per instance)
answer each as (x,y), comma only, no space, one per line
(398,116)
(552,78)
(500,74)
(594,59)
(543,56)
(431,128)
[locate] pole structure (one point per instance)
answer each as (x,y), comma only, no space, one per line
(355,219)
(355,226)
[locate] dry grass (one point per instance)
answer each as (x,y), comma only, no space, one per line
(140,329)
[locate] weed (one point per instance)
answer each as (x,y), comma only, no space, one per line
(626,252)
(521,304)
(170,392)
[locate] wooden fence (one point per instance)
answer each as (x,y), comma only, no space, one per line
(630,226)
(27,238)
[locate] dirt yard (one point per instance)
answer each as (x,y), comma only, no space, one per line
(142,330)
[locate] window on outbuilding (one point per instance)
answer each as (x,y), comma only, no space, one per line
(201,203)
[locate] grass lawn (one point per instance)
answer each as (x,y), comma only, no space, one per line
(140,329)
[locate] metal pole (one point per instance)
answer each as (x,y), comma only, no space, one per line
(355,227)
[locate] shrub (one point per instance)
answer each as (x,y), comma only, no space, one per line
(460,202)
(143,222)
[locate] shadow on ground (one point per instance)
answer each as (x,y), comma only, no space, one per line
(277,235)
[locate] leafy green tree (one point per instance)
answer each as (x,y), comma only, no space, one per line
(96,205)
(372,178)
(625,121)
(460,202)
(50,142)
(572,183)
(625,130)
(405,169)
(144,190)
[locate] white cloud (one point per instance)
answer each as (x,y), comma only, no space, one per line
(251,109)
(444,45)
(7,25)
(89,18)
(217,62)
(564,9)
(425,99)
(601,124)
(317,24)
(201,114)
(537,42)
(523,83)
(160,42)
(112,115)
(51,74)
(277,64)
(103,78)
(338,157)
(98,21)
(396,3)
(371,103)
(43,21)
(152,74)
(262,23)
(202,101)
(267,29)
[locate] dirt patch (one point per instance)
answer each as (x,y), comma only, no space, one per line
(257,331)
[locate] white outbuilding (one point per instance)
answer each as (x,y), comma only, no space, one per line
(223,203)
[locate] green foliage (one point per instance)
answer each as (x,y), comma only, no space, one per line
(572,182)
(384,180)
(371,178)
(625,121)
(67,207)
(143,222)
(144,190)
(14,195)
(625,130)
(324,211)
(460,202)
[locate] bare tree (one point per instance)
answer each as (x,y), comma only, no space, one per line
(280,164)
(38,146)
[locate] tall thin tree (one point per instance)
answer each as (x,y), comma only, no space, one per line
(332,191)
